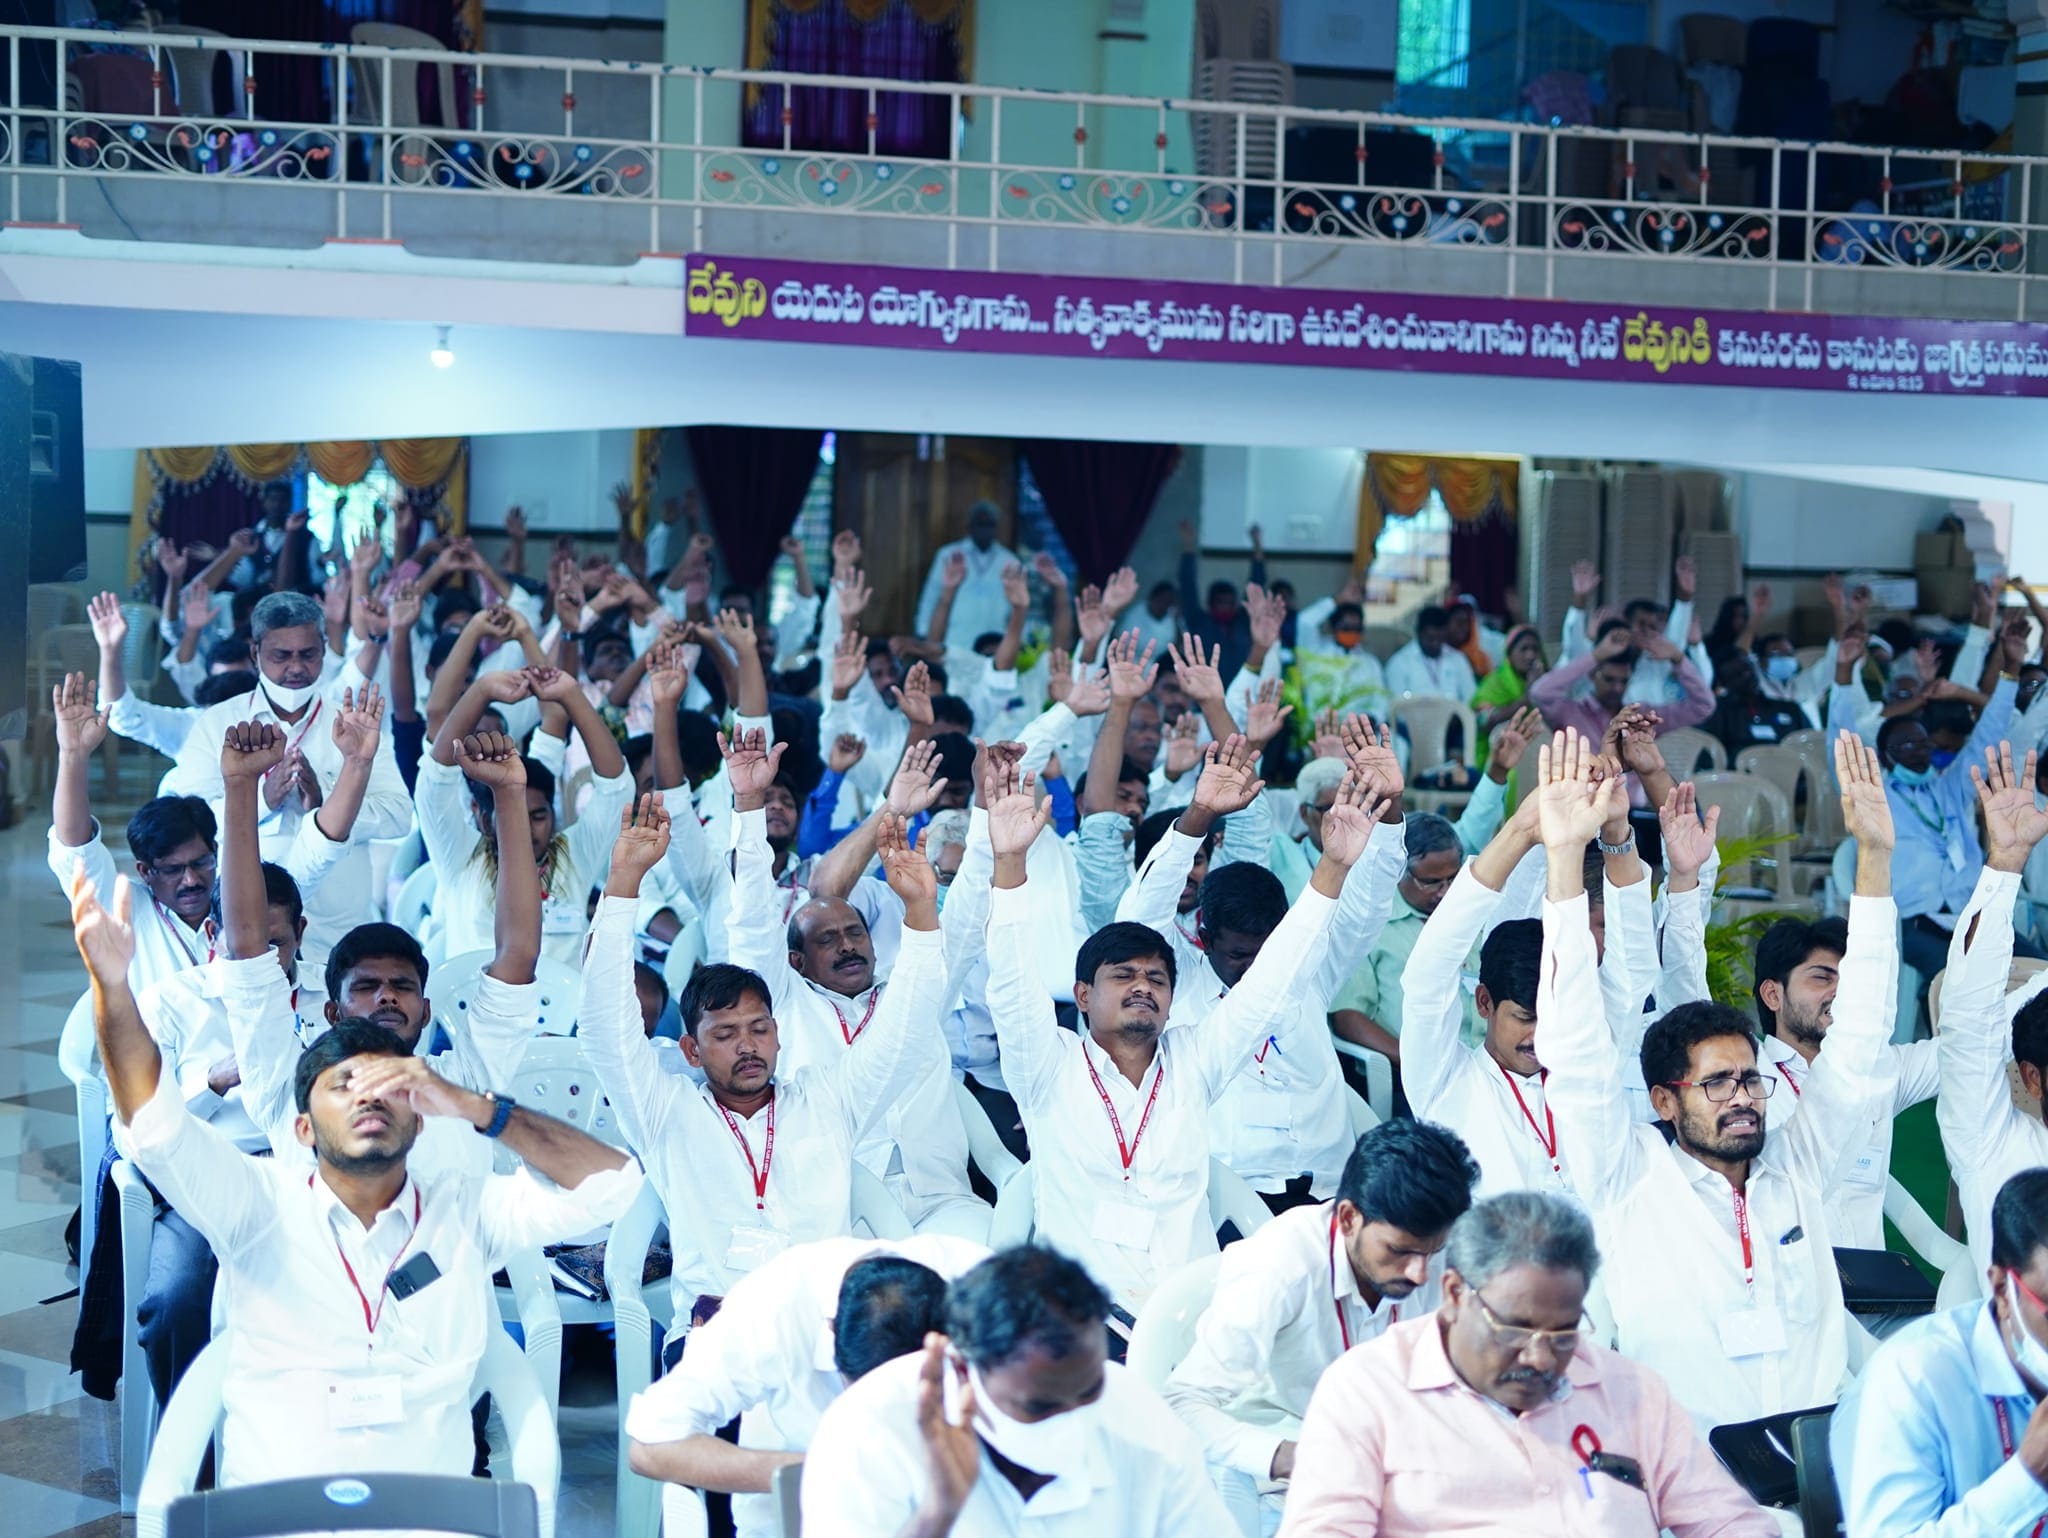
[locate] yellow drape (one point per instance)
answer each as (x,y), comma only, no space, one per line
(419,464)
(1398,486)
(261,462)
(184,465)
(420,461)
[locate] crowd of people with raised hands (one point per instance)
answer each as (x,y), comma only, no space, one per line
(858,922)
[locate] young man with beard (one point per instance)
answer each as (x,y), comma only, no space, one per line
(1293,1297)
(1798,969)
(1721,1273)
(360,1291)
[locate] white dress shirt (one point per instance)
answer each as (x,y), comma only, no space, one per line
(1447,675)
(1132,1205)
(1142,1477)
(1286,1306)
(705,1160)
(1738,1332)
(1987,1138)
(1855,1199)
(979,603)
(1284,1113)
(765,1358)
(187,1014)
(466,893)
(161,727)
(303,1335)
(918,1148)
(344,897)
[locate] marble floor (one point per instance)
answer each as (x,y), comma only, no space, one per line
(59,1448)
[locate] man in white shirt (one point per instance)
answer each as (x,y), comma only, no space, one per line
(785,1344)
(325,1373)
(1797,969)
(1293,1297)
(1986,1137)
(287,631)
(1720,1269)
(979,605)
(750,1162)
(1118,1113)
(1010,1421)
(1428,666)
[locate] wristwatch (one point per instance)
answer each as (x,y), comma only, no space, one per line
(1619,849)
(502,1108)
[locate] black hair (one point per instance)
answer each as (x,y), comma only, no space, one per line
(1899,635)
(734,590)
(643,973)
(1244,898)
(1431,617)
(697,737)
(1430,834)
(1762,641)
(637,751)
(279,891)
(1667,1045)
(940,678)
(216,688)
(365,941)
(1118,942)
(950,712)
(1128,772)
(1348,608)
(887,1305)
(878,646)
(538,777)
(720,985)
(438,650)
(1222,587)
(451,601)
(2019,1219)
(1511,962)
(1153,829)
(955,759)
(1024,1297)
(598,636)
(2030,1033)
(353,1037)
(1170,588)
(1607,628)
(1950,716)
(1636,606)
(1413,1174)
(1784,948)
(1888,732)
(161,825)
(232,650)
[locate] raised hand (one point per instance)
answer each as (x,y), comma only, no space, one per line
(334,600)
(550,684)
(1637,741)
(913,789)
(1262,722)
(643,837)
(1585,582)
(515,523)
(1831,590)
(1347,822)
(953,570)
(244,542)
(914,696)
(1132,672)
(1195,666)
(1266,613)
(1867,810)
(105,935)
(1015,817)
(81,724)
(506,685)
(109,624)
(1661,648)
(1059,675)
(249,750)
(1119,590)
(1572,806)
(846,751)
(1183,745)
(1016,590)
(952,1448)
(1088,695)
(737,629)
(849,662)
(1688,842)
(569,604)
(2013,825)
(364,556)
(854,593)
(358,722)
(1049,571)
(1373,758)
(1685,578)
(195,605)
(623,501)
(750,763)
(1511,739)
(491,759)
(911,876)
(1092,617)
(1230,777)
(1329,738)
(170,560)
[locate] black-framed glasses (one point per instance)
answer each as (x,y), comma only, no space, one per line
(203,868)
(1721,1087)
(1517,1337)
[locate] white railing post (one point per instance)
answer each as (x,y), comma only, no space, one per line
(1812,231)
(388,152)
(344,82)
(1554,142)
(60,141)
(1777,206)
(994,212)
(14,129)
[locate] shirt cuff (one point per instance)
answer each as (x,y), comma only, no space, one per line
(502,998)
(1011,907)
(653,1418)
(2014,1498)
(749,828)
(1387,837)
(1873,913)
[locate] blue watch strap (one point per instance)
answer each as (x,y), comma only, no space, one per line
(501,1116)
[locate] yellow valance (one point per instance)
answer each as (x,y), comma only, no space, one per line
(1398,486)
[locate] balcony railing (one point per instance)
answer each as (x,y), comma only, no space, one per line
(648,155)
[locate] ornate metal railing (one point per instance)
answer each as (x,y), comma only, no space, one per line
(168,110)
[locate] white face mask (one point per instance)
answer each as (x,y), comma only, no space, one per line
(2032,1355)
(1056,1445)
(288,700)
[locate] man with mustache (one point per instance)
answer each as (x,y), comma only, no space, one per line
(1721,1274)
(1498,1414)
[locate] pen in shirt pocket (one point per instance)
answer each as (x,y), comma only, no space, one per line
(1793,1235)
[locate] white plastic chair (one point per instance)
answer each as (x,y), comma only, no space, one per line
(684,952)
(985,1147)
(1684,748)
(1960,1282)
(1166,1324)
(138,1397)
(1428,718)
(452,986)
(1231,1200)
(1363,1117)
(78,1056)
(415,898)
(192,1419)
(1379,1074)
(555,1079)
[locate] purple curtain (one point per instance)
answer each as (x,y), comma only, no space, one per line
(298,89)
(209,512)
(829,41)
(1483,557)
(753,480)
(1099,495)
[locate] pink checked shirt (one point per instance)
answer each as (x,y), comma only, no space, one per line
(1395,1445)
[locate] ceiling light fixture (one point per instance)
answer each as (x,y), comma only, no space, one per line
(443,356)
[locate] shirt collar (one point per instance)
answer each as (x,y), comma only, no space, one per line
(342,1221)
(1989,1359)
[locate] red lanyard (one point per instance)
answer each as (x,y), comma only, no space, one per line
(1343,1325)
(758,1171)
(852,1033)
(1127,1154)
(177,927)
(1786,1070)
(1742,1228)
(1194,938)
(2005,1442)
(1546,1134)
(369,1318)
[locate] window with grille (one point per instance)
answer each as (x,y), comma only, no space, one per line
(1434,41)
(1407,547)
(814,527)
(349,510)
(1035,528)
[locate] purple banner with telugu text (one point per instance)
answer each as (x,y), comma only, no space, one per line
(767,299)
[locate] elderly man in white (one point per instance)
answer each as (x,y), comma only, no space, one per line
(979,603)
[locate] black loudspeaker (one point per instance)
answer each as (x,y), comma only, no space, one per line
(17,389)
(42,506)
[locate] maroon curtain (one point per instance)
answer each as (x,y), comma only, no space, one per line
(1483,558)
(1099,495)
(297,88)
(829,40)
(209,512)
(753,481)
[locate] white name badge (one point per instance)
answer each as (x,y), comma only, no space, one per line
(1124,1223)
(355,1403)
(1751,1332)
(559,917)
(752,1248)
(1867,1173)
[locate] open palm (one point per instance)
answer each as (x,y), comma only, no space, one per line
(2012,821)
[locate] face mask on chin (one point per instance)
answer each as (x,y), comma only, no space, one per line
(2032,1356)
(1915,777)
(286,700)
(1056,1445)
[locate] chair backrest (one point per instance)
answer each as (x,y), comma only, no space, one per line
(788,1484)
(985,1147)
(876,1208)
(195,68)
(556,1080)
(1165,1330)
(441,1503)
(116,83)
(1684,748)
(415,897)
(1232,1200)
(1015,1210)
(51,604)
(1750,806)
(561,995)
(1384,640)
(1428,719)
(1820,1503)
(368,74)
(68,649)
(1785,768)
(142,653)
(1363,1117)
(1823,796)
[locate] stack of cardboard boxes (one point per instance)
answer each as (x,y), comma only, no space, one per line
(1948,561)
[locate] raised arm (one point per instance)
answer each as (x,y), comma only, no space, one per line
(1688,851)
(1027,1033)
(453,710)
(608,1018)
(553,686)
(358,724)
(106,939)
(884,1060)
(1198,675)
(912,792)
(756,933)
(750,694)
(492,760)
(81,728)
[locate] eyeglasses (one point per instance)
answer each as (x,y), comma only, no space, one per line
(1430,883)
(203,868)
(1721,1087)
(1518,1338)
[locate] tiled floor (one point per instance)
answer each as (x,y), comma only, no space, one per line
(59,1450)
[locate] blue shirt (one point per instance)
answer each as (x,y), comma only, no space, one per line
(1938,858)
(1915,1441)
